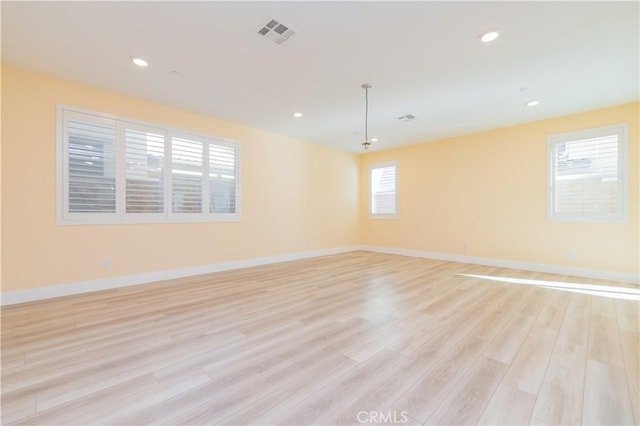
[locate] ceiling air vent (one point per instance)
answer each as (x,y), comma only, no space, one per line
(408,117)
(276,32)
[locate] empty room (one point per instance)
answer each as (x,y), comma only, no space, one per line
(320,213)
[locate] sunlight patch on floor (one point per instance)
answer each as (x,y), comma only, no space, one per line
(612,292)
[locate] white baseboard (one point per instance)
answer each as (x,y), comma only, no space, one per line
(513,264)
(30,295)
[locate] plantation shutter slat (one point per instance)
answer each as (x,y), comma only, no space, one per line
(383,190)
(187,170)
(144,153)
(91,167)
(222,179)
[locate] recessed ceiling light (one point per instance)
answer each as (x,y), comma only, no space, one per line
(140,62)
(489,36)
(297,114)
(374,140)
(533,103)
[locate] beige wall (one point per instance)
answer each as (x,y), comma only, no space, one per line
(0,181)
(289,201)
(488,190)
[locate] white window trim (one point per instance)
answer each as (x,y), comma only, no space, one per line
(623,166)
(63,217)
(396,215)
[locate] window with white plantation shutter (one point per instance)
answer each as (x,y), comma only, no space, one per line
(187,169)
(144,165)
(222,179)
(91,166)
(116,170)
(384,190)
(588,175)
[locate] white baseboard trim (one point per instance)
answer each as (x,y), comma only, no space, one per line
(513,264)
(30,295)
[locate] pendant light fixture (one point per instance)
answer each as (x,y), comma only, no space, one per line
(366,144)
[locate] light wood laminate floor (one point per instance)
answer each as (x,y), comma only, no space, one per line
(344,339)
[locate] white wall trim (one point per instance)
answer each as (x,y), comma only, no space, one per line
(41,293)
(30,295)
(513,264)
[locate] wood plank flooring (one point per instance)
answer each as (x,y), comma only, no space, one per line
(355,338)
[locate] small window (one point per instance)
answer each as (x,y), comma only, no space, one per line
(384,190)
(187,168)
(91,159)
(144,170)
(116,170)
(588,175)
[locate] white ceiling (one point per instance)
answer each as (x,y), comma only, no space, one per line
(422,58)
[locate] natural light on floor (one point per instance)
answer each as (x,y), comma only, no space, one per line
(612,292)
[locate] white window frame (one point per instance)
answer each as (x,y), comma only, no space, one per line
(622,130)
(64,217)
(395,215)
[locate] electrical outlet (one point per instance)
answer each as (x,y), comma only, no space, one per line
(106,264)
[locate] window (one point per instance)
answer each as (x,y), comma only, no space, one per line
(384,190)
(588,175)
(91,148)
(113,170)
(187,169)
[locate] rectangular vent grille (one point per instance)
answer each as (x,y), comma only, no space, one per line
(408,117)
(276,32)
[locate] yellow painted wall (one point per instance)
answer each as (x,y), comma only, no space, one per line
(489,190)
(289,201)
(0,181)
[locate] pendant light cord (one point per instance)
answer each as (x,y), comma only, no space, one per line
(366,114)
(366,143)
